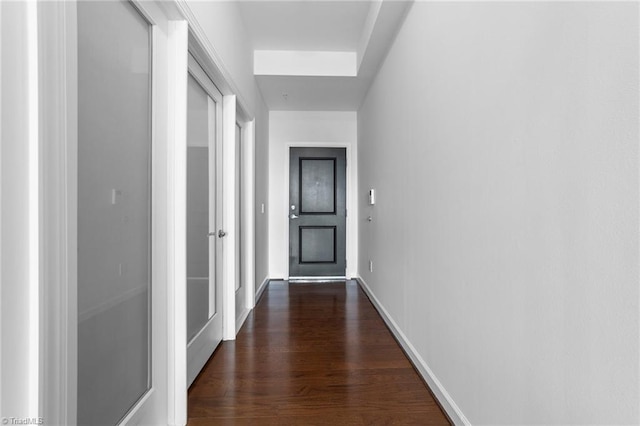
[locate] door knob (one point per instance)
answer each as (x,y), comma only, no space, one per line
(293,216)
(221,233)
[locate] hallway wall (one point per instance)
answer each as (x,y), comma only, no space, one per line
(502,141)
(224,28)
(262,195)
(300,128)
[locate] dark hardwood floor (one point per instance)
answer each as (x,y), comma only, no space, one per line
(312,354)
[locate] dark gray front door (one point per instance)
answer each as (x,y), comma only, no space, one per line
(317,212)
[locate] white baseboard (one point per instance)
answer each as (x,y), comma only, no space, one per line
(446,402)
(261,288)
(241,319)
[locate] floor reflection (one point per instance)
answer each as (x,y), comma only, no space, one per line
(312,354)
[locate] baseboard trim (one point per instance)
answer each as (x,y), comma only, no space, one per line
(262,288)
(241,319)
(444,399)
(317,279)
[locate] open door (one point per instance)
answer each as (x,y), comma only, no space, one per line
(204,219)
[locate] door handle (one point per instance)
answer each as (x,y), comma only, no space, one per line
(221,233)
(294,216)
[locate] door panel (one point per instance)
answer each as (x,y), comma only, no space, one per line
(197,239)
(204,204)
(317,177)
(317,215)
(114,210)
(317,244)
(238,202)
(197,208)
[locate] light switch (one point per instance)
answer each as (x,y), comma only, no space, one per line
(372,197)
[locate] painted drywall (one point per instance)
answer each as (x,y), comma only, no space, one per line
(222,24)
(502,141)
(262,194)
(306,128)
(305,63)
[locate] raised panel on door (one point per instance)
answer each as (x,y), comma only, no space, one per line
(317,212)
(317,185)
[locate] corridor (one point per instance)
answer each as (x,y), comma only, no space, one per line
(467,173)
(312,354)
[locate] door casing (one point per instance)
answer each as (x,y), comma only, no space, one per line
(300,220)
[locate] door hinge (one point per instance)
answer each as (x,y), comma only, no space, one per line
(346,212)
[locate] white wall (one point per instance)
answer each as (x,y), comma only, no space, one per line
(502,140)
(222,23)
(300,128)
(262,194)
(224,29)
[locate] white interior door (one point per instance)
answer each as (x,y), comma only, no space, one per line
(122,61)
(240,287)
(204,219)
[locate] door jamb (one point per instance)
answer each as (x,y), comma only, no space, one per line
(247,215)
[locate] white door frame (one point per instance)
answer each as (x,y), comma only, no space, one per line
(352,201)
(245,295)
(58,210)
(22,346)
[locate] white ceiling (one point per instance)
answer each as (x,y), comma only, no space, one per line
(312,93)
(366,27)
(305,25)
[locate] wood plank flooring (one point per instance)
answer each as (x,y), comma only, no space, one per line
(312,354)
